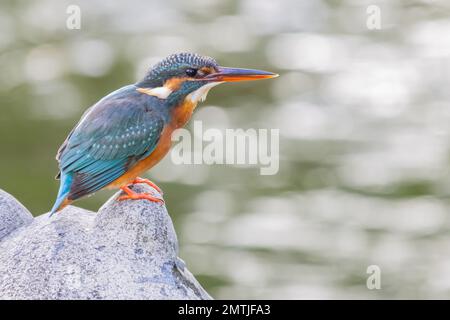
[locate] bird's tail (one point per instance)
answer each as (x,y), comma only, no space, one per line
(64,189)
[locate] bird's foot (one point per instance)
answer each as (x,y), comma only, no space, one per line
(148,182)
(131,195)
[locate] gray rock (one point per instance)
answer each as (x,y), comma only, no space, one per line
(13,214)
(129,250)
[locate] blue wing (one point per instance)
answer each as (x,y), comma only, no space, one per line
(112,136)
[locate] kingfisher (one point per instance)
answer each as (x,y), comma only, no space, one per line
(129,131)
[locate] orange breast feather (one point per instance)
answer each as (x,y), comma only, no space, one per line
(179,117)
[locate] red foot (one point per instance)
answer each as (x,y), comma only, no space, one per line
(131,195)
(148,182)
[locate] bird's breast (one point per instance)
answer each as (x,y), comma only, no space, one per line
(179,116)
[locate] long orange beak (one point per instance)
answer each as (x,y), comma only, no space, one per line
(237,74)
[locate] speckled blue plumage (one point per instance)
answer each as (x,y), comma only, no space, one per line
(177,61)
(175,65)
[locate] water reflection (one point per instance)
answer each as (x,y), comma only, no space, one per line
(364,134)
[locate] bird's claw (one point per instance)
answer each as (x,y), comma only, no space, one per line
(149,183)
(131,195)
(141,196)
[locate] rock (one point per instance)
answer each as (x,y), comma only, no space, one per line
(129,250)
(13,214)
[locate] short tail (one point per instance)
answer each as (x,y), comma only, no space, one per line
(64,190)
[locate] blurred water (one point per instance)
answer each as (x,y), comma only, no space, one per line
(363,117)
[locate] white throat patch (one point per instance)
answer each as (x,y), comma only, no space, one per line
(201,93)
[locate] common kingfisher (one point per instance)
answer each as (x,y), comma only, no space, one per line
(129,131)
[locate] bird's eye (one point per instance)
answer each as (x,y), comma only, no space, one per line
(191,72)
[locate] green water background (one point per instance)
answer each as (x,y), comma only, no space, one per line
(364,134)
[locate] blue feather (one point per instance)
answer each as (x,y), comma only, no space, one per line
(64,189)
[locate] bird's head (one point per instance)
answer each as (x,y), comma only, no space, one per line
(190,76)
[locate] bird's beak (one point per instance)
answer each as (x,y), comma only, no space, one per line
(237,74)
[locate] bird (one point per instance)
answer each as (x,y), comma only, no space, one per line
(128,131)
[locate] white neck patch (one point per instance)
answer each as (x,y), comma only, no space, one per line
(195,96)
(201,93)
(159,92)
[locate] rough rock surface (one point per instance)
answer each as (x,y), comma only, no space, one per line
(13,214)
(128,250)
